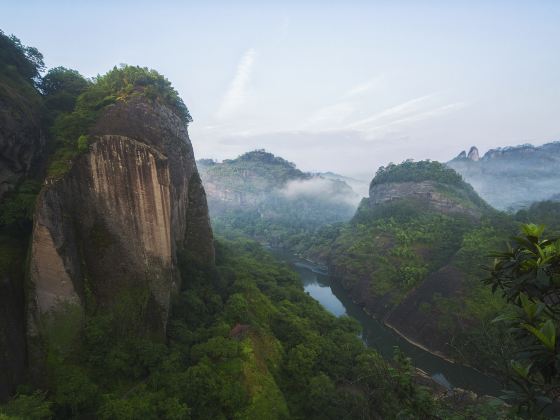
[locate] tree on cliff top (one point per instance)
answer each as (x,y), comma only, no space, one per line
(61,88)
(119,84)
(126,80)
(16,58)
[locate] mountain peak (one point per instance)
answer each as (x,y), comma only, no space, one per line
(473,154)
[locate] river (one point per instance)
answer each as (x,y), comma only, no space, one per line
(375,334)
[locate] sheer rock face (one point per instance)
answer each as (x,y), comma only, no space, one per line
(22,141)
(115,222)
(429,193)
(22,146)
(473,154)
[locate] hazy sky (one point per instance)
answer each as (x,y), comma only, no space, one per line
(344,86)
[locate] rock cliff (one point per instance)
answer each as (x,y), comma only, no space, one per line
(445,199)
(22,137)
(407,256)
(114,224)
(22,147)
(473,154)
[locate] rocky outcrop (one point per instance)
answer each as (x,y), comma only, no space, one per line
(22,146)
(473,154)
(22,139)
(462,155)
(114,224)
(442,198)
(401,255)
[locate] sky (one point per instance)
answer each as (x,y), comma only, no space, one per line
(343,86)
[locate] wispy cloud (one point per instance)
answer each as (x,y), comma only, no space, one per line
(396,117)
(404,109)
(394,120)
(329,115)
(364,87)
(236,95)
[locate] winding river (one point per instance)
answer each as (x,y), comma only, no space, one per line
(375,334)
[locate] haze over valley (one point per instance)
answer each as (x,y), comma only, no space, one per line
(280,210)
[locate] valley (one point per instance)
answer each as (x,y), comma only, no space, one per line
(383,339)
(140,281)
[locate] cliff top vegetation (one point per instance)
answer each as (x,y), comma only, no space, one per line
(410,171)
(70,129)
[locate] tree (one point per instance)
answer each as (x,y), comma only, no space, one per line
(27,61)
(528,275)
(61,87)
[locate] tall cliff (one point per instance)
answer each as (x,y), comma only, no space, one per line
(108,232)
(22,153)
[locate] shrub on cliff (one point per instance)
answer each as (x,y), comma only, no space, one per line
(119,84)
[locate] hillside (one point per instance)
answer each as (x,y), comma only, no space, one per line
(268,198)
(411,256)
(117,302)
(511,178)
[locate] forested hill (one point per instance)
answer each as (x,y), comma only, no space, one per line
(412,254)
(511,178)
(115,300)
(268,198)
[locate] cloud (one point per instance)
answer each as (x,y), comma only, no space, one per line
(395,112)
(236,95)
(323,188)
(396,117)
(328,115)
(364,87)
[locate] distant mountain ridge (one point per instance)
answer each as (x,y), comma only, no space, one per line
(510,178)
(268,198)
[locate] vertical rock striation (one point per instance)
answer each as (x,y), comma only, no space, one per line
(22,139)
(114,224)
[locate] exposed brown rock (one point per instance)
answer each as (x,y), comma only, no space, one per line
(117,220)
(427,192)
(22,140)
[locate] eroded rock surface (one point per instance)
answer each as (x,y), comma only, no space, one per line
(22,140)
(115,223)
(442,198)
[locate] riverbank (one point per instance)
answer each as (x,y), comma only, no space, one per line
(384,337)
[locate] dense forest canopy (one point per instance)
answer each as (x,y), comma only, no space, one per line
(18,59)
(70,129)
(243,339)
(410,171)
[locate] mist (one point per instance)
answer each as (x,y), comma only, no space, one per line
(321,188)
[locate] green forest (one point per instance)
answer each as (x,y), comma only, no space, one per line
(243,340)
